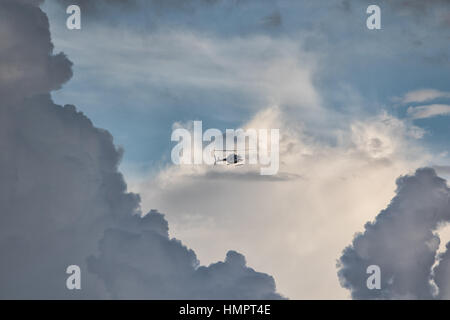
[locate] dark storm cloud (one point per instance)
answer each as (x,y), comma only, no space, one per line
(442,274)
(60,189)
(403,242)
(26,61)
(443,170)
(139,261)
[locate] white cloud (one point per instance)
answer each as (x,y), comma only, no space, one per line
(292,228)
(196,67)
(428,111)
(423,95)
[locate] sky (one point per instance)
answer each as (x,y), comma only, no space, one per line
(364,128)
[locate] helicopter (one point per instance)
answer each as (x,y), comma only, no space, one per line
(232,159)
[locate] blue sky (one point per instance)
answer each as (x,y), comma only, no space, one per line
(140,108)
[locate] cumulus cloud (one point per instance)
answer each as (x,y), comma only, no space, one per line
(307,221)
(325,189)
(403,242)
(442,274)
(307,213)
(26,72)
(139,261)
(63,200)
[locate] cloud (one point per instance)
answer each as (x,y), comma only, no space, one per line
(219,15)
(346,176)
(63,200)
(305,221)
(442,169)
(25,72)
(415,30)
(403,242)
(442,272)
(423,95)
(198,68)
(428,111)
(375,139)
(141,262)
(347,164)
